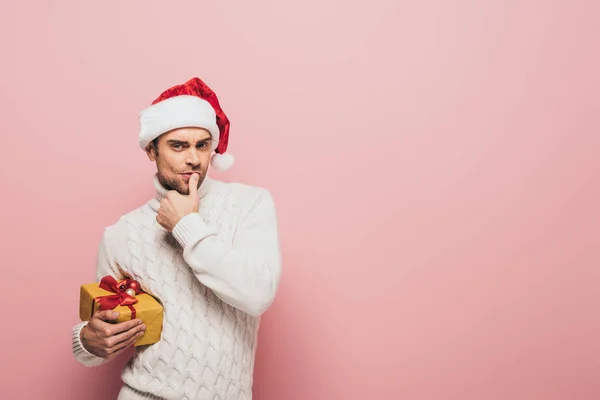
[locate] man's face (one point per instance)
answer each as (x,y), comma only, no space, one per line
(178,154)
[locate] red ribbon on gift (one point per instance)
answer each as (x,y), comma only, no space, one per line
(119,298)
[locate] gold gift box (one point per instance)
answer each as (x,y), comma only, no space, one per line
(147,308)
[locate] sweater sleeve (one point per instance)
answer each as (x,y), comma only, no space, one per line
(244,273)
(105,265)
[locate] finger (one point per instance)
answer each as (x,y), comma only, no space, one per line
(114,341)
(165,206)
(124,345)
(108,329)
(107,315)
(125,326)
(194,184)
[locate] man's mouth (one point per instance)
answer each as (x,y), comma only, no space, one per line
(188,175)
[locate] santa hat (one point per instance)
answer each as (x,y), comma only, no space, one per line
(192,104)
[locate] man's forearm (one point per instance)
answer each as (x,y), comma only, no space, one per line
(244,274)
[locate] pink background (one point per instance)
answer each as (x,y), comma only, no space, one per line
(435,164)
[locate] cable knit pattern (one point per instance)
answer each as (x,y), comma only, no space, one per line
(215,274)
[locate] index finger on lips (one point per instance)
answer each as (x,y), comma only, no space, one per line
(193,183)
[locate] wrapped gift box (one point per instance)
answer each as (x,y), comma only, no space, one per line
(110,294)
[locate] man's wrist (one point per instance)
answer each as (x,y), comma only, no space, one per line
(81,334)
(191,228)
(79,341)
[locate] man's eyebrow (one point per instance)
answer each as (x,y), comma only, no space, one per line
(177,141)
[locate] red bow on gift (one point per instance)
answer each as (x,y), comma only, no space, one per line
(124,294)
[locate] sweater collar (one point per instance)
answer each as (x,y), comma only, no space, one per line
(161,191)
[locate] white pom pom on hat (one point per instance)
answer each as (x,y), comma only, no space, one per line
(190,104)
(222,162)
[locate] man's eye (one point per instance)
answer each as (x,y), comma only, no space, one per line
(203,145)
(176,146)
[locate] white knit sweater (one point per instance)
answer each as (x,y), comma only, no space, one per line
(215,274)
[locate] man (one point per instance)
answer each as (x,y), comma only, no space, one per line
(206,249)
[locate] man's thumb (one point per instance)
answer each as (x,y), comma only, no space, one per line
(107,315)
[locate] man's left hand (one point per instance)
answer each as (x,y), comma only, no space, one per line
(176,206)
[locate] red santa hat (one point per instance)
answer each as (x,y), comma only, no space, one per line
(192,104)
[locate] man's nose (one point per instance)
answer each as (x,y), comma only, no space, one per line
(192,157)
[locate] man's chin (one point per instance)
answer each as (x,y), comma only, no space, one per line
(182,189)
(179,184)
(169,184)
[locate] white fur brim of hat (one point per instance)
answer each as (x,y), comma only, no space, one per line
(177,112)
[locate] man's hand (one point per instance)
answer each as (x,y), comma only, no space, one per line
(108,340)
(176,206)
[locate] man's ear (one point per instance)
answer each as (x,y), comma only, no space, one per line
(151,151)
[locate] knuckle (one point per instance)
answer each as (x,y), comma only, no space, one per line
(101,315)
(106,332)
